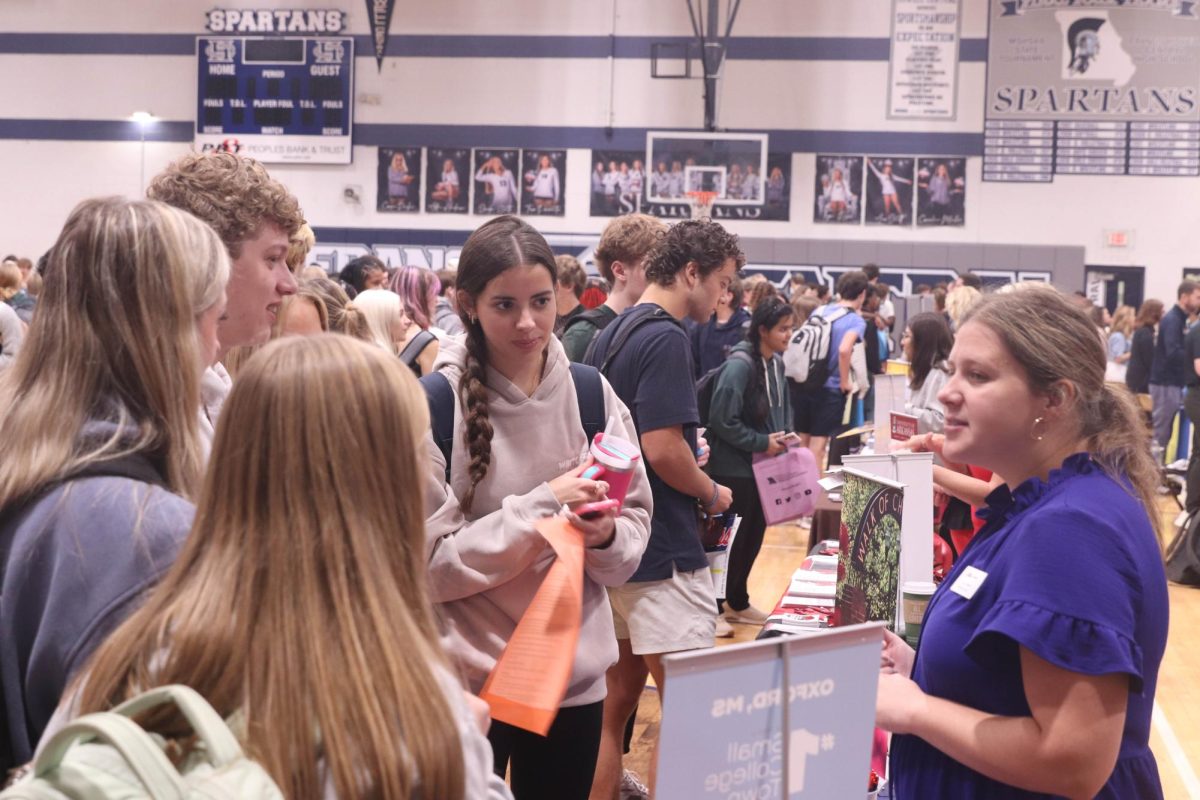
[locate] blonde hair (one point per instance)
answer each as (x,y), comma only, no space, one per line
(299,598)
(115,339)
(333,299)
(305,295)
(34,284)
(233,194)
(370,316)
(299,245)
(803,307)
(1122,321)
(236,357)
(959,301)
(1054,340)
(10,279)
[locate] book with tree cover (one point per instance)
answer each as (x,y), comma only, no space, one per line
(869,557)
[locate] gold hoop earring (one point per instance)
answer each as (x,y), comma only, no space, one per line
(1033,430)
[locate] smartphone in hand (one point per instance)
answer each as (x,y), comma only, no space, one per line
(596,509)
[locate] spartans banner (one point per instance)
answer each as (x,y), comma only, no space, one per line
(1129,60)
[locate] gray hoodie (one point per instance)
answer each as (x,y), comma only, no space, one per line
(486,568)
(79,562)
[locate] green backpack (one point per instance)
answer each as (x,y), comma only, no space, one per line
(107,755)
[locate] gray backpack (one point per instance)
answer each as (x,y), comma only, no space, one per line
(107,755)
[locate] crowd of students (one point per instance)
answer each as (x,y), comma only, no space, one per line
(219,469)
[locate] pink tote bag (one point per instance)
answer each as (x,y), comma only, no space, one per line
(787,484)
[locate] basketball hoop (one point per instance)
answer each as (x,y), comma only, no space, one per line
(701,203)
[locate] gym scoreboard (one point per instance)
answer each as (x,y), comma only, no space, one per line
(276,99)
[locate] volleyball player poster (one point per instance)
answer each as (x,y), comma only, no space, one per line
(543,182)
(838,190)
(399,180)
(777,187)
(448,189)
(889,190)
(613,190)
(496,188)
(941,191)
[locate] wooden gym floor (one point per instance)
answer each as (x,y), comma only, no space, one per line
(1176,732)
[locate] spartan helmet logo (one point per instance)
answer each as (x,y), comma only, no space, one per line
(1083,37)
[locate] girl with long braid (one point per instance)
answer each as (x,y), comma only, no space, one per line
(518,455)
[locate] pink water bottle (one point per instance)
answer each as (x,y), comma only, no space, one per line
(615,459)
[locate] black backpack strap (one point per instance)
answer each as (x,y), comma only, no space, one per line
(597,317)
(589,391)
(440,396)
(625,329)
(414,348)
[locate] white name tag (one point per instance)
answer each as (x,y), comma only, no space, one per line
(966,584)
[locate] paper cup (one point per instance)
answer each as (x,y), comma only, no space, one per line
(916,601)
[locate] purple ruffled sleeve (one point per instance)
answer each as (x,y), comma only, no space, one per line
(1074,644)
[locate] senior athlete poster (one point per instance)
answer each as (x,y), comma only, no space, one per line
(543,182)
(448,189)
(496,188)
(399,179)
(613,189)
(941,191)
(889,190)
(616,176)
(838,190)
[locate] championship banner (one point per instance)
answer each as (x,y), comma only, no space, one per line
(1107,87)
(379,12)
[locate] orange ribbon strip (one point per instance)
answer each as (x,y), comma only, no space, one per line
(530,679)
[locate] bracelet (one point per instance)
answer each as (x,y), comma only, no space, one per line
(716,496)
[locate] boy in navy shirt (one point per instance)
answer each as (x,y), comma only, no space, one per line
(669,604)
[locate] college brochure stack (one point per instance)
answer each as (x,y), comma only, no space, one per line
(809,601)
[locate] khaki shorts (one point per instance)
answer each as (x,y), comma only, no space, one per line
(679,613)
